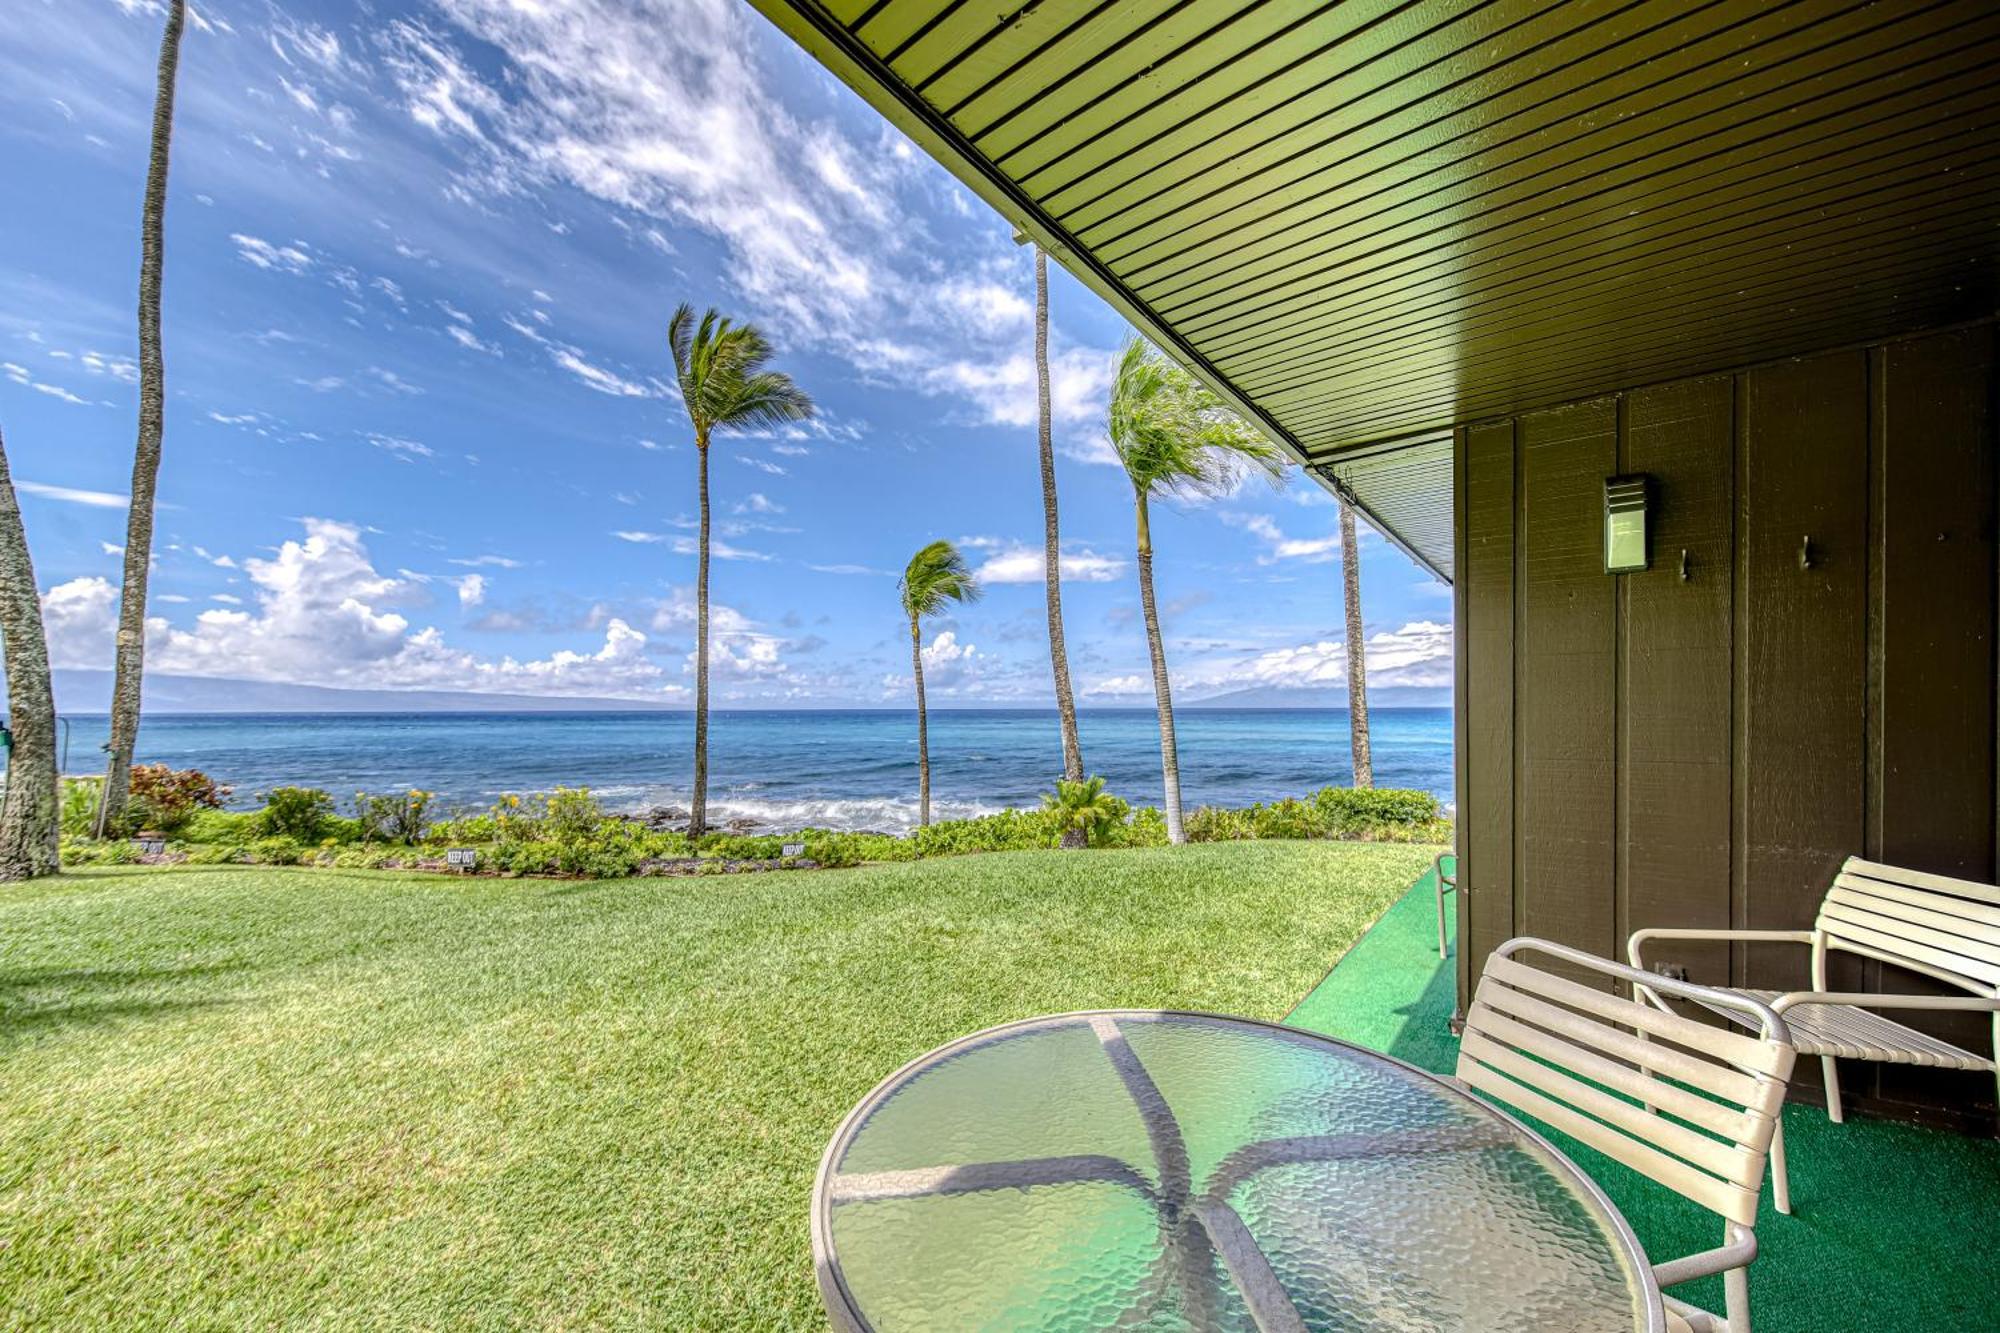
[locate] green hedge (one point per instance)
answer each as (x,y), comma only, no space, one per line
(566,832)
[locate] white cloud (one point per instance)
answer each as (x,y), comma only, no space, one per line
(598,378)
(281,258)
(823,234)
(853,569)
(763,465)
(485,561)
(1015,563)
(471,590)
(396,444)
(759,503)
(1310,550)
(471,341)
(1119,687)
(71,495)
(684,545)
(1418,654)
(323,615)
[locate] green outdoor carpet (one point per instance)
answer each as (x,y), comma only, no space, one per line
(1894,1227)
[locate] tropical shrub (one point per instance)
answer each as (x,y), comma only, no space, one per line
(1214,824)
(300,813)
(166,799)
(1358,811)
(1146,827)
(398,818)
(214,854)
(79,805)
(1006,831)
(234,827)
(1084,806)
(277,852)
(1288,818)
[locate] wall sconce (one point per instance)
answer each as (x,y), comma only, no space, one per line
(1625,521)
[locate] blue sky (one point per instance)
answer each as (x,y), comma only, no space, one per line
(420,428)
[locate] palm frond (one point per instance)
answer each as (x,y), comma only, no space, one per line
(1173,433)
(724,385)
(937,574)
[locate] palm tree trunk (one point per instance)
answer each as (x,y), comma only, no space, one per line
(698,811)
(923,729)
(1170,759)
(1357,648)
(128,678)
(1051,540)
(31,810)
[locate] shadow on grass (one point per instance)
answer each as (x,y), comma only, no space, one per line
(36,1000)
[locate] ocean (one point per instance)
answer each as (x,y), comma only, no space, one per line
(784,769)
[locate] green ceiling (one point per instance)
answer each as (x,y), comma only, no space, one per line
(1368,222)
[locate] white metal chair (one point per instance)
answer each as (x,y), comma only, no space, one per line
(1941,927)
(1445,884)
(1690,1105)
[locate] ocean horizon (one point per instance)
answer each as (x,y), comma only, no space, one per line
(841,768)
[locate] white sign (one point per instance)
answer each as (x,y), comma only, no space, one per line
(150,846)
(793,849)
(463,857)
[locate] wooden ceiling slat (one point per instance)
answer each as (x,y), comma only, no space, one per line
(1801,287)
(1651,150)
(1115,86)
(1479,274)
(1677,175)
(1593,277)
(1411,182)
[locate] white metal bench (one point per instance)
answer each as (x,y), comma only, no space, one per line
(1941,927)
(1692,1106)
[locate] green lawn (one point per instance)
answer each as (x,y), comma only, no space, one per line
(243,1097)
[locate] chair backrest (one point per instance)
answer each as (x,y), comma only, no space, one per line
(1691,1105)
(1944,927)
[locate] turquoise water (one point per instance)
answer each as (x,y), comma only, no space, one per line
(833,769)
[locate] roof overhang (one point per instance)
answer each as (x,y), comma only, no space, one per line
(1367,223)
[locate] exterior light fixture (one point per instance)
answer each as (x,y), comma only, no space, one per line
(1625,535)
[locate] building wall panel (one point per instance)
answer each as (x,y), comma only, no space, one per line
(1703,742)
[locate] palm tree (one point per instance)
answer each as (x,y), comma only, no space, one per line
(130,662)
(936,575)
(1175,436)
(1081,808)
(1357,648)
(724,386)
(1051,541)
(30,811)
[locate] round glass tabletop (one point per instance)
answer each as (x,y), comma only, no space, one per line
(1168,1171)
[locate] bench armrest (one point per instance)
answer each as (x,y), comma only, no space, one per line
(1864,1000)
(1639,937)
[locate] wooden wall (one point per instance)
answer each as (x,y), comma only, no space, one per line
(1702,743)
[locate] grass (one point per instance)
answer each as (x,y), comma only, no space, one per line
(1891,1222)
(252,1097)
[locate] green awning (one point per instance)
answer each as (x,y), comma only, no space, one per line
(1370,222)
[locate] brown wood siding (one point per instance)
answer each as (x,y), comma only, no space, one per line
(1673,784)
(1563,661)
(1486,805)
(1702,744)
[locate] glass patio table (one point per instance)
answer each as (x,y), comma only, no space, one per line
(1166,1171)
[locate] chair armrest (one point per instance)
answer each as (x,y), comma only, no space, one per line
(1639,937)
(1451,880)
(1864,1000)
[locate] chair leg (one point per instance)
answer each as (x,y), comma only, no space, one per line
(1736,1299)
(1440,889)
(1832,1088)
(1781,1187)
